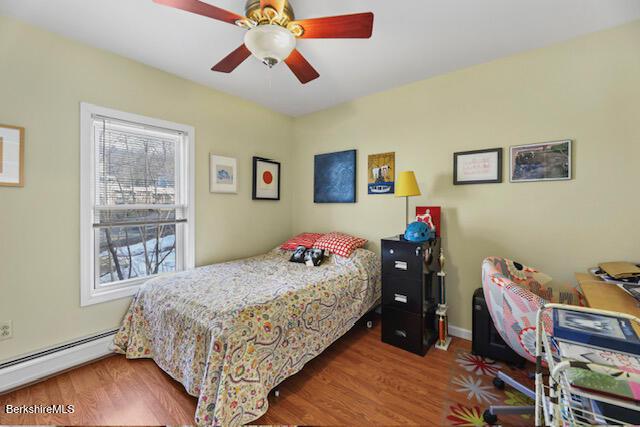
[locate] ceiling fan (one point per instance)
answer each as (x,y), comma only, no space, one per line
(273,32)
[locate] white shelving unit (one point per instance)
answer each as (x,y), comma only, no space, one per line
(558,402)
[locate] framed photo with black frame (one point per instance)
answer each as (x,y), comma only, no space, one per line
(266,179)
(477,167)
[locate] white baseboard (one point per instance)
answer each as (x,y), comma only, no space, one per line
(37,368)
(456,331)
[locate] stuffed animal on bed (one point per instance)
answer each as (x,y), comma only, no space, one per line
(311,257)
(314,256)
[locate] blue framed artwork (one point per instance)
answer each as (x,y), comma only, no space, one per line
(334,177)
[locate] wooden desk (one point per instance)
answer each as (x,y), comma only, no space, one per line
(606,296)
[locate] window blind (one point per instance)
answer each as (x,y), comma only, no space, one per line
(139,200)
(136,181)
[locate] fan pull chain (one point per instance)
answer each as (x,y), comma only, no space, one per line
(269,78)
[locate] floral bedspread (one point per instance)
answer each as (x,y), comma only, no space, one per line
(231,332)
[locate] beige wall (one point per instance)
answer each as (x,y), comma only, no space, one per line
(587,89)
(43,79)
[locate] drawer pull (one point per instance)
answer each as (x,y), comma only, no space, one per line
(401,333)
(401,265)
(400,298)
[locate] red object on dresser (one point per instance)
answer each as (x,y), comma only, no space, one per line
(430,215)
(340,244)
(305,239)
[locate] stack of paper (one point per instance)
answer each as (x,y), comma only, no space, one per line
(620,270)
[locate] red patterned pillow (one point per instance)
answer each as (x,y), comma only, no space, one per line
(340,243)
(305,239)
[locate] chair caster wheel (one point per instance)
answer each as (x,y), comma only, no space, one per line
(489,418)
(276,393)
(369,324)
(498,383)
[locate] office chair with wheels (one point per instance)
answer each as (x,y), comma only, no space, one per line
(513,294)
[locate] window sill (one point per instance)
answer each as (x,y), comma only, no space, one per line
(118,290)
(99,296)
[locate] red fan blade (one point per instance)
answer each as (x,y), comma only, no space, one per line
(231,61)
(301,67)
(358,26)
(277,5)
(204,9)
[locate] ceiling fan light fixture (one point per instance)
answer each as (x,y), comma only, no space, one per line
(270,43)
(246,23)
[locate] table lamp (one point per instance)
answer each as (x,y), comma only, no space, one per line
(407,186)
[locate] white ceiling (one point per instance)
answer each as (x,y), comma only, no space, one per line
(412,40)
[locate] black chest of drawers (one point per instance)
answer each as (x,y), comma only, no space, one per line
(410,293)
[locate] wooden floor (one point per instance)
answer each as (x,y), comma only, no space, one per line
(358,379)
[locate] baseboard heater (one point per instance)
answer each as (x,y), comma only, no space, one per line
(42,364)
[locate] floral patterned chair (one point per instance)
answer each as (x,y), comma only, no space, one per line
(514,293)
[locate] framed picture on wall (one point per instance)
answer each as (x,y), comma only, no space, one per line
(547,161)
(477,167)
(11,156)
(429,215)
(334,177)
(382,172)
(223,174)
(266,179)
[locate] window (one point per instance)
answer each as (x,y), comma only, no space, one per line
(137,201)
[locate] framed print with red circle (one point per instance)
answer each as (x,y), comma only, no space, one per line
(266,179)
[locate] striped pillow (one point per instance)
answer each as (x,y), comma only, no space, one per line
(305,239)
(340,244)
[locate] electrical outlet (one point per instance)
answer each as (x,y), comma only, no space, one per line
(6,330)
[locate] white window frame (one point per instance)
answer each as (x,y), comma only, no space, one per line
(89,293)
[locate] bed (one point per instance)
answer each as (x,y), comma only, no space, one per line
(231,332)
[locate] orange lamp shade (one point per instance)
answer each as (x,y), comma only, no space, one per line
(406,185)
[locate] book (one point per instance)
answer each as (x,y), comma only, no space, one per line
(589,354)
(604,380)
(610,414)
(600,371)
(596,330)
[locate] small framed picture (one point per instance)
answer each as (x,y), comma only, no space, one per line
(266,179)
(11,156)
(382,172)
(477,167)
(547,161)
(429,215)
(223,174)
